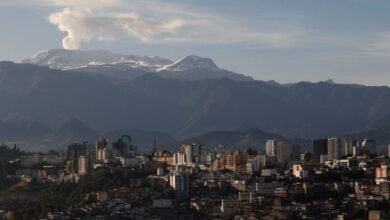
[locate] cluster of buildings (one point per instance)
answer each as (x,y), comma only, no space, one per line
(84,157)
(337,179)
(218,158)
(335,148)
(80,159)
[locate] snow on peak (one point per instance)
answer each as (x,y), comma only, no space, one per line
(77,59)
(40,55)
(74,59)
(330,81)
(190,63)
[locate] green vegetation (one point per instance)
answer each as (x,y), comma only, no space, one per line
(70,196)
(7,153)
(5,170)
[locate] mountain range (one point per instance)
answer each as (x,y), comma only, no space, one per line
(180,99)
(127,67)
(37,137)
(256,138)
(245,138)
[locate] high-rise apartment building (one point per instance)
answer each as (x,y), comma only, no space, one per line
(335,148)
(179,158)
(320,148)
(102,150)
(195,153)
(354,145)
(123,147)
(83,165)
(369,146)
(282,153)
(270,147)
(277,149)
(102,143)
(180,183)
(74,152)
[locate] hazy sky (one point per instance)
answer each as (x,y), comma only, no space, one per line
(287,41)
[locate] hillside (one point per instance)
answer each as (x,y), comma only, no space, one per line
(185,108)
(251,138)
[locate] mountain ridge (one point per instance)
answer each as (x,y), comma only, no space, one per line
(186,108)
(28,137)
(72,131)
(74,59)
(191,62)
(245,138)
(127,67)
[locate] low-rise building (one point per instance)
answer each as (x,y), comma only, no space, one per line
(129,162)
(162,203)
(268,172)
(299,171)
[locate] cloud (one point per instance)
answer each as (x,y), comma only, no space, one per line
(202,26)
(159,22)
(81,3)
(230,32)
(84,25)
(380,45)
(63,3)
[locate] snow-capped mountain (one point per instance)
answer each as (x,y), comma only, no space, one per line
(330,81)
(77,59)
(198,68)
(190,63)
(128,67)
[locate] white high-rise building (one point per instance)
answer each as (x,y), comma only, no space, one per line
(335,148)
(277,149)
(83,165)
(270,147)
(188,153)
(256,163)
(282,153)
(355,147)
(195,154)
(179,159)
(103,155)
(347,147)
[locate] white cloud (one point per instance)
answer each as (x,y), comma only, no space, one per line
(84,25)
(380,45)
(201,26)
(63,3)
(161,22)
(81,3)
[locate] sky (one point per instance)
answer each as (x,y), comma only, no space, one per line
(282,40)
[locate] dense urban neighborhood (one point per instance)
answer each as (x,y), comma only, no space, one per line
(192,110)
(337,178)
